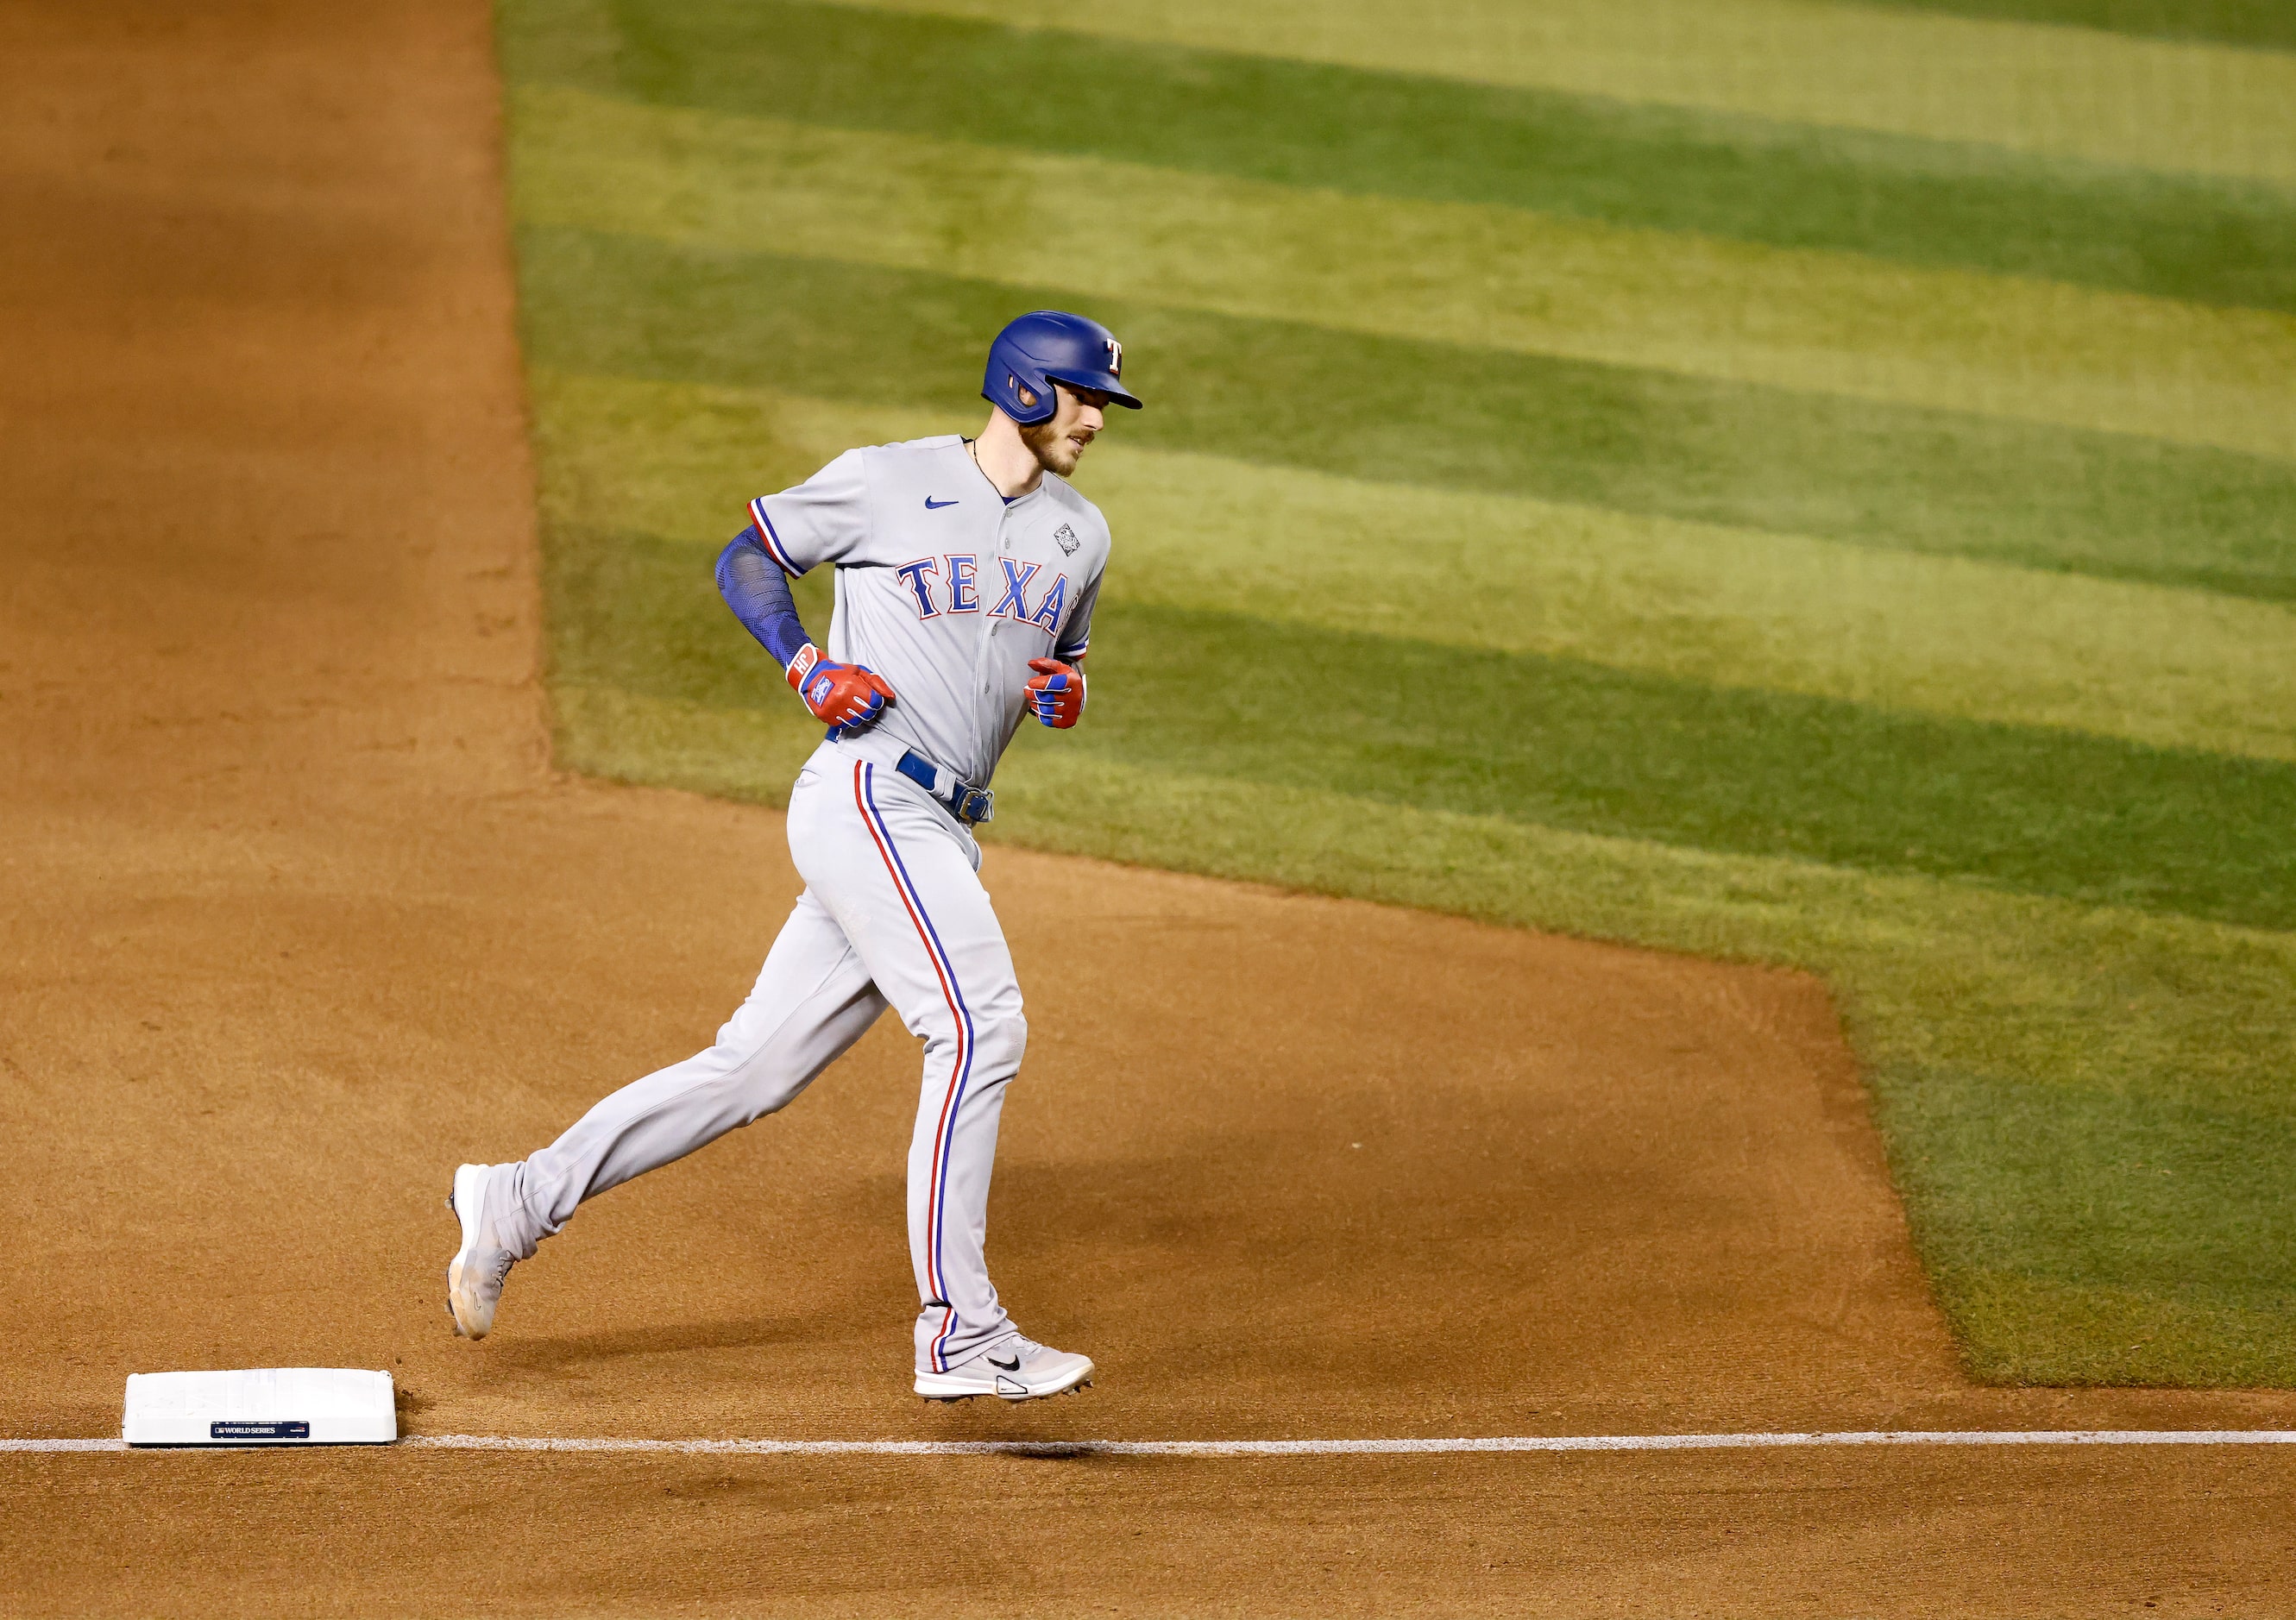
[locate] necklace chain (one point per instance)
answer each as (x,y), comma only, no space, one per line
(973,448)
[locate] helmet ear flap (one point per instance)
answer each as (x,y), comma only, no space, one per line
(1015,386)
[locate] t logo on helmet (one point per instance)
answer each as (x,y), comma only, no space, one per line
(1115,358)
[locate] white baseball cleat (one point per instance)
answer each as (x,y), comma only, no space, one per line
(1014,1368)
(474,1276)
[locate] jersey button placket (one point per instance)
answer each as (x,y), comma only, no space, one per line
(985,664)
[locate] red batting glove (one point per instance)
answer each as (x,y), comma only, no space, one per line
(1057,693)
(844,697)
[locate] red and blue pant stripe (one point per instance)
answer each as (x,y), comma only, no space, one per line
(959,1074)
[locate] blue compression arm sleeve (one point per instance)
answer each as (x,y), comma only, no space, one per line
(755,587)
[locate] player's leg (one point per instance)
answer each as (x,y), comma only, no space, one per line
(812,1000)
(901,878)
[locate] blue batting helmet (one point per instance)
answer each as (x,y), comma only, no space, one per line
(1047,346)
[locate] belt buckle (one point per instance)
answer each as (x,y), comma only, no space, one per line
(974,805)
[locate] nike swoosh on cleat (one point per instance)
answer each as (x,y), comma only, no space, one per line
(933,505)
(1011,1366)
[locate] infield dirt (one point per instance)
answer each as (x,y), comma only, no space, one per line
(297,916)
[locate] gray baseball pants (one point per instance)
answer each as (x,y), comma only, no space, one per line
(893,914)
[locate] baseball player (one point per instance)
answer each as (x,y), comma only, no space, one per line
(966,574)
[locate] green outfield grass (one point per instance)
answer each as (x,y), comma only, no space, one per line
(1393,135)
(2250,22)
(2179,106)
(1836,546)
(1473,277)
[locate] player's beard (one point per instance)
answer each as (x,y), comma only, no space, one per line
(1050,444)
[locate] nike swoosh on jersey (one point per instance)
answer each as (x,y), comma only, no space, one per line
(933,505)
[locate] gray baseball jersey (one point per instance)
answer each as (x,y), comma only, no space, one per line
(944,588)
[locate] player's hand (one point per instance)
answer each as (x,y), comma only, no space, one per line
(844,697)
(1057,693)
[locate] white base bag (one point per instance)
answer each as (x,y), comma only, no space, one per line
(266,1406)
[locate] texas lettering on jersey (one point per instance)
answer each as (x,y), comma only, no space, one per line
(962,592)
(944,588)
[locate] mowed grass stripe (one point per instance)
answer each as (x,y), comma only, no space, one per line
(2144,1169)
(1305,124)
(1494,278)
(2169,105)
(1562,743)
(1947,636)
(2057,1246)
(1401,411)
(2268,24)
(1572,745)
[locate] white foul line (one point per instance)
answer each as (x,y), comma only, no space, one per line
(1370,1448)
(1751,1441)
